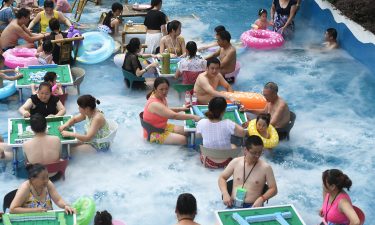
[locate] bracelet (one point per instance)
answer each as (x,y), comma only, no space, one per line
(146,69)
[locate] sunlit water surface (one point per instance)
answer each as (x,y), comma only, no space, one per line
(331,93)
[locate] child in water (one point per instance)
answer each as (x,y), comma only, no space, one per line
(45,57)
(262,123)
(262,23)
(51,78)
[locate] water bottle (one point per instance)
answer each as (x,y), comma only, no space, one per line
(187,98)
(194,99)
(166,60)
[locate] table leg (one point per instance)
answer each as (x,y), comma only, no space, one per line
(68,149)
(15,160)
(20,95)
(191,144)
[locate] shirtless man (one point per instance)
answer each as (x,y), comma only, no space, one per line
(17,29)
(251,173)
(276,106)
(42,148)
(207,83)
(330,39)
(226,53)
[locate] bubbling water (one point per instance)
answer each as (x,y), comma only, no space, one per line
(138,182)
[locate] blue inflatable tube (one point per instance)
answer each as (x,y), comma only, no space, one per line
(42,66)
(8,89)
(96,47)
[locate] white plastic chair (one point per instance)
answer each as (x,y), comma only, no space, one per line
(113,126)
(220,153)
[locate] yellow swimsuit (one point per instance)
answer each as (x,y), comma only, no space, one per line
(44,20)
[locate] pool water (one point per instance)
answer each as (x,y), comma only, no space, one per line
(330,92)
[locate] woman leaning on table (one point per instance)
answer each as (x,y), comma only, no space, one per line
(37,193)
(43,102)
(157,113)
(96,126)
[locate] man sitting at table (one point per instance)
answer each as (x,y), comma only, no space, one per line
(42,148)
(226,53)
(207,83)
(17,29)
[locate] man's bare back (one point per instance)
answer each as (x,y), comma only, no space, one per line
(42,149)
(228,59)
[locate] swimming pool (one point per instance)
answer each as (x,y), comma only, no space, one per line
(331,93)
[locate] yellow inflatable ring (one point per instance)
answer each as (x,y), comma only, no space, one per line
(271,142)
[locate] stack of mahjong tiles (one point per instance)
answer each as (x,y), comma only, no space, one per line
(42,218)
(38,77)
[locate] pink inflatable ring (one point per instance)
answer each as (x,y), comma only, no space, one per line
(21,57)
(262,39)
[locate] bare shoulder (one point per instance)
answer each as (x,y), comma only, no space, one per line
(53,138)
(237,161)
(264,165)
(24,186)
(232,50)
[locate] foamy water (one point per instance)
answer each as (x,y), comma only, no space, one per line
(137,182)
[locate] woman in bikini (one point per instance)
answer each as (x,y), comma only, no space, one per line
(173,42)
(37,193)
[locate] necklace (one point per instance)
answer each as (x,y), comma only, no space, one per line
(37,193)
(173,45)
(327,209)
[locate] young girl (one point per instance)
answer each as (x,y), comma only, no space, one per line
(262,23)
(45,57)
(112,19)
(50,78)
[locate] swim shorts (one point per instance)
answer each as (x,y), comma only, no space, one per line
(207,162)
(159,138)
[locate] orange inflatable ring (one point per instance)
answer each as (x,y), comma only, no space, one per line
(250,100)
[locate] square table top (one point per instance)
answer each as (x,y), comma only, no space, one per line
(64,75)
(224,217)
(17,137)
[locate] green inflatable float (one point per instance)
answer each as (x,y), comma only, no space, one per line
(85,208)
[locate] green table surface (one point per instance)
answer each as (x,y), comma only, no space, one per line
(173,67)
(69,219)
(53,124)
(63,72)
(225,216)
(228,115)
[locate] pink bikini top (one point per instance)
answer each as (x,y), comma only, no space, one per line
(332,212)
